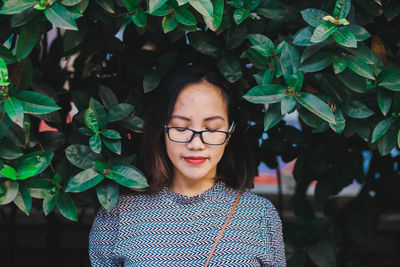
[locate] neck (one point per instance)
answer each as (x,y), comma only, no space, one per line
(191,188)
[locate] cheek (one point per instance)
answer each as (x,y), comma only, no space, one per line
(173,150)
(218,153)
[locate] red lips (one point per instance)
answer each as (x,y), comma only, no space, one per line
(195,160)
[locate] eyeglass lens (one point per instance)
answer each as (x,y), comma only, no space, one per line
(184,135)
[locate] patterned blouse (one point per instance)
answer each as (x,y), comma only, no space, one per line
(170,229)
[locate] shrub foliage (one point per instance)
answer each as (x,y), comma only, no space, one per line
(333,62)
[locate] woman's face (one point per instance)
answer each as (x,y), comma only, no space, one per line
(199,107)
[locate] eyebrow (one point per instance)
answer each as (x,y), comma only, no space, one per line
(188,119)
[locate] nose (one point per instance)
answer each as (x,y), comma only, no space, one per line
(196,143)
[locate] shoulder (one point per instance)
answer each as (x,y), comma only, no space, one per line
(133,200)
(256,206)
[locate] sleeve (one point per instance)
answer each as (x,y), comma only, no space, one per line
(272,238)
(103,237)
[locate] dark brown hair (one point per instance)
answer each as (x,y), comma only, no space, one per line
(236,167)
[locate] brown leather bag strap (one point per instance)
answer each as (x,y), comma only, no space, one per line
(223,228)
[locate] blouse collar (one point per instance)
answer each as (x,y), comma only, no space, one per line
(206,195)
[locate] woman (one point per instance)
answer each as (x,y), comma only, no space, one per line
(196,163)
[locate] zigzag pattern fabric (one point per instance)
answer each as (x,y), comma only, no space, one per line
(170,229)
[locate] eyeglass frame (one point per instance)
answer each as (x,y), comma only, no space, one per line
(200,133)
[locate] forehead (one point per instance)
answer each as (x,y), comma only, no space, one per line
(201,100)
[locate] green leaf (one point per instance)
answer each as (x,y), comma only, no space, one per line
(155,4)
(3,73)
(322,253)
(169,23)
(24,78)
(131,5)
(108,97)
(128,177)
(362,128)
(271,9)
(9,150)
(287,104)
(35,103)
(113,145)
(204,7)
(8,191)
(342,9)
(151,80)
(391,79)
(112,134)
(380,129)
(49,202)
(101,166)
(290,61)
(23,199)
(60,17)
(32,164)
(272,116)
(4,124)
(340,122)
(359,32)
(16,6)
(14,110)
(84,180)
(262,44)
(360,67)
(310,118)
(67,206)
(265,94)
(230,68)
(81,156)
(357,110)
(184,16)
(107,5)
(70,2)
(240,15)
(387,142)
(267,77)
(95,143)
(318,62)
(339,65)
(6,56)
(398,138)
(345,37)
(166,61)
(39,188)
(139,18)
(91,120)
(73,38)
(323,31)
(296,81)
(218,11)
(353,81)
(303,36)
(27,39)
(235,36)
(9,172)
(384,98)
(119,111)
(135,124)
(101,116)
(108,194)
(316,106)
(313,16)
(363,52)
(205,43)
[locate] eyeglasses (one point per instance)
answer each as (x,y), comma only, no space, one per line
(209,137)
